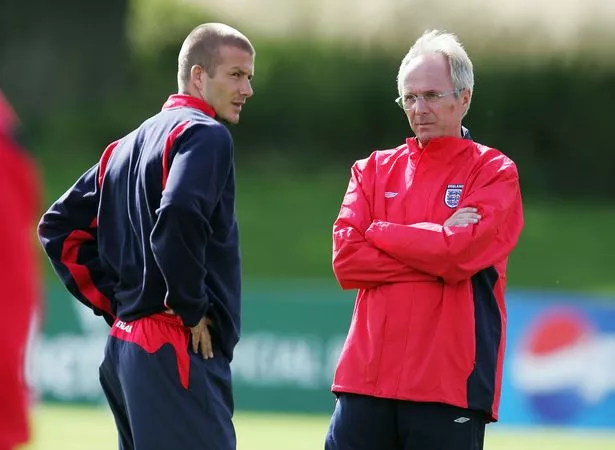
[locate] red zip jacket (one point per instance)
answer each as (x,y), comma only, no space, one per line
(429,319)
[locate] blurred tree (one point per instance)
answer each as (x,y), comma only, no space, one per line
(61,54)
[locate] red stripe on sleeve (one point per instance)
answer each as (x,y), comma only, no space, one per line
(168,145)
(102,166)
(80,273)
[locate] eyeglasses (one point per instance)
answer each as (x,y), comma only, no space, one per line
(409,100)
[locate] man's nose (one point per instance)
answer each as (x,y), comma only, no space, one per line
(246,89)
(420,105)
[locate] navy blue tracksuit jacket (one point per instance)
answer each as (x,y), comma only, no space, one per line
(108,235)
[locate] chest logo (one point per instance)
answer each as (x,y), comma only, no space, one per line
(389,194)
(453,195)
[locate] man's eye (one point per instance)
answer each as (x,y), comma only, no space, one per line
(430,96)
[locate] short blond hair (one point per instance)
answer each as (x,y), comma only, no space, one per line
(202,47)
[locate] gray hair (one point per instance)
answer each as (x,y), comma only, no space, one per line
(435,41)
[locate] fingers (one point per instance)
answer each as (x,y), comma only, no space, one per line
(467,218)
(195,342)
(463,217)
(201,339)
(207,350)
(463,221)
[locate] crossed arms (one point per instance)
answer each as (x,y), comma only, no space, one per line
(483,231)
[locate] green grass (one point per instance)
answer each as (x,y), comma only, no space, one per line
(79,428)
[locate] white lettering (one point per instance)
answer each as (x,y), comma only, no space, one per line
(65,367)
(268,359)
(123,326)
(568,368)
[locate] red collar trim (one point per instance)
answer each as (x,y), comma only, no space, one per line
(188,101)
(446,146)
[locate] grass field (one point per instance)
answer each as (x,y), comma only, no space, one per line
(68,428)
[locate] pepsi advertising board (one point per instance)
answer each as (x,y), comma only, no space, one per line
(560,361)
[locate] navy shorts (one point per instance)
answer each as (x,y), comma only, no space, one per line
(162,395)
(369,423)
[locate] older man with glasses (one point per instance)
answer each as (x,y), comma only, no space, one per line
(424,233)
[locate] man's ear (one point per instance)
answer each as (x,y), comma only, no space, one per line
(466,96)
(196,73)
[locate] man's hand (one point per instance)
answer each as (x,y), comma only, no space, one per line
(201,337)
(463,217)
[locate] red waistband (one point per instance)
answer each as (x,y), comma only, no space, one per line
(161,316)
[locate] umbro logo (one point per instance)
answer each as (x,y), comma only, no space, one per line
(389,194)
(461,419)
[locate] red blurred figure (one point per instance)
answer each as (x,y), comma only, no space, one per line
(19,277)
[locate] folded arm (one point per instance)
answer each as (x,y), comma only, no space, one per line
(358,264)
(456,253)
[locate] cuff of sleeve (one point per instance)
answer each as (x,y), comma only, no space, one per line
(191,316)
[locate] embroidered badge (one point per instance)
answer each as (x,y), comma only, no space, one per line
(453,195)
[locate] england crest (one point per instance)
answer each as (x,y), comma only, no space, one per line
(453,195)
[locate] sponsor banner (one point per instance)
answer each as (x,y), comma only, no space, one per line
(559,367)
(560,361)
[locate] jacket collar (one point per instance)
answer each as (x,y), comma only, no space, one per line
(441,147)
(188,101)
(446,146)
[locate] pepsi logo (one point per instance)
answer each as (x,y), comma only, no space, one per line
(564,365)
